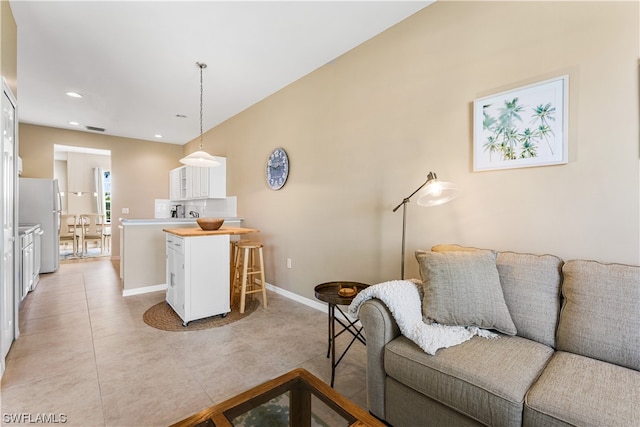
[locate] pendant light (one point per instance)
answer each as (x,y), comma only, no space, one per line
(200,158)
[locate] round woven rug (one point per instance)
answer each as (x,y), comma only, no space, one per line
(161,316)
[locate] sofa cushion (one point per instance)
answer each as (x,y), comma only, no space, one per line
(531,288)
(463,288)
(600,314)
(575,390)
(485,379)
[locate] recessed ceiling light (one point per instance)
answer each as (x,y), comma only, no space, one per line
(74,94)
(74,123)
(157,135)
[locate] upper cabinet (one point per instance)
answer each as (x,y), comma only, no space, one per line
(192,182)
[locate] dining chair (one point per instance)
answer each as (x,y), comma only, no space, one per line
(106,236)
(92,225)
(68,231)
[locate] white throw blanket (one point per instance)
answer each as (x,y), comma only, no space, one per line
(404,300)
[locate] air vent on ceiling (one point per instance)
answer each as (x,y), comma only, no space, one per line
(97,129)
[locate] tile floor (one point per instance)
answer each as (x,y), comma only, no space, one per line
(86,355)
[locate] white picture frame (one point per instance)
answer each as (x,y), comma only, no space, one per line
(522,127)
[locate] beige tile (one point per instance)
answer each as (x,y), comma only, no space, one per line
(123,307)
(73,336)
(102,297)
(225,378)
(152,369)
(74,395)
(137,342)
(44,364)
(42,302)
(117,324)
(51,323)
(57,307)
(154,403)
(60,283)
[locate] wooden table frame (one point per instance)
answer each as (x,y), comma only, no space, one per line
(302,386)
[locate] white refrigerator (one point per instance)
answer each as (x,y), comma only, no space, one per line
(39,203)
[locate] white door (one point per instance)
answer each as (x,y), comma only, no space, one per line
(8,185)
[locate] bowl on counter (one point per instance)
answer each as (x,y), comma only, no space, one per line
(209,224)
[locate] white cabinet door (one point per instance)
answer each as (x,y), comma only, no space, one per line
(206,276)
(192,182)
(183,183)
(171,272)
(198,276)
(190,171)
(217,188)
(174,184)
(8,187)
(175,274)
(180,281)
(204,182)
(27,270)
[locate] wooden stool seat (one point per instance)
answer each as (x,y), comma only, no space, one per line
(246,271)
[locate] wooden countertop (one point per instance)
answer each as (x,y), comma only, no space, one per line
(194,232)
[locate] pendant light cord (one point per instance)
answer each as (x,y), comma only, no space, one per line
(201,158)
(202,65)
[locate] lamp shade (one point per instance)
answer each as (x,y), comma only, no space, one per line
(200,158)
(436,193)
(431,193)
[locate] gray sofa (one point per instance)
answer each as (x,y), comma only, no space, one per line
(574,360)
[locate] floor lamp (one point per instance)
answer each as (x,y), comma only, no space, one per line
(434,192)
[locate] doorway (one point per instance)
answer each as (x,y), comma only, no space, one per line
(84,178)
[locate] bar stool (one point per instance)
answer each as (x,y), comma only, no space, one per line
(234,273)
(246,271)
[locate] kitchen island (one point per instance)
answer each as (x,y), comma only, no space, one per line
(198,267)
(143,253)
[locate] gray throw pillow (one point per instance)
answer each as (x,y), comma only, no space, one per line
(463,289)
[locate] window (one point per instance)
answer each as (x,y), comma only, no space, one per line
(107,195)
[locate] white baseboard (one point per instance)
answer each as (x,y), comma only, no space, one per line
(318,305)
(298,298)
(144,290)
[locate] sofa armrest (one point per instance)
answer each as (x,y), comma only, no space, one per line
(380,328)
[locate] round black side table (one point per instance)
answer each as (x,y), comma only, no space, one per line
(328,292)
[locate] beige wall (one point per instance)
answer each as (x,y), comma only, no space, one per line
(77,175)
(363,132)
(8,47)
(140,169)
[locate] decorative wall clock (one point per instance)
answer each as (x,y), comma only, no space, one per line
(277,169)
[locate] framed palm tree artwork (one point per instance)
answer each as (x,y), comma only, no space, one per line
(523,127)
